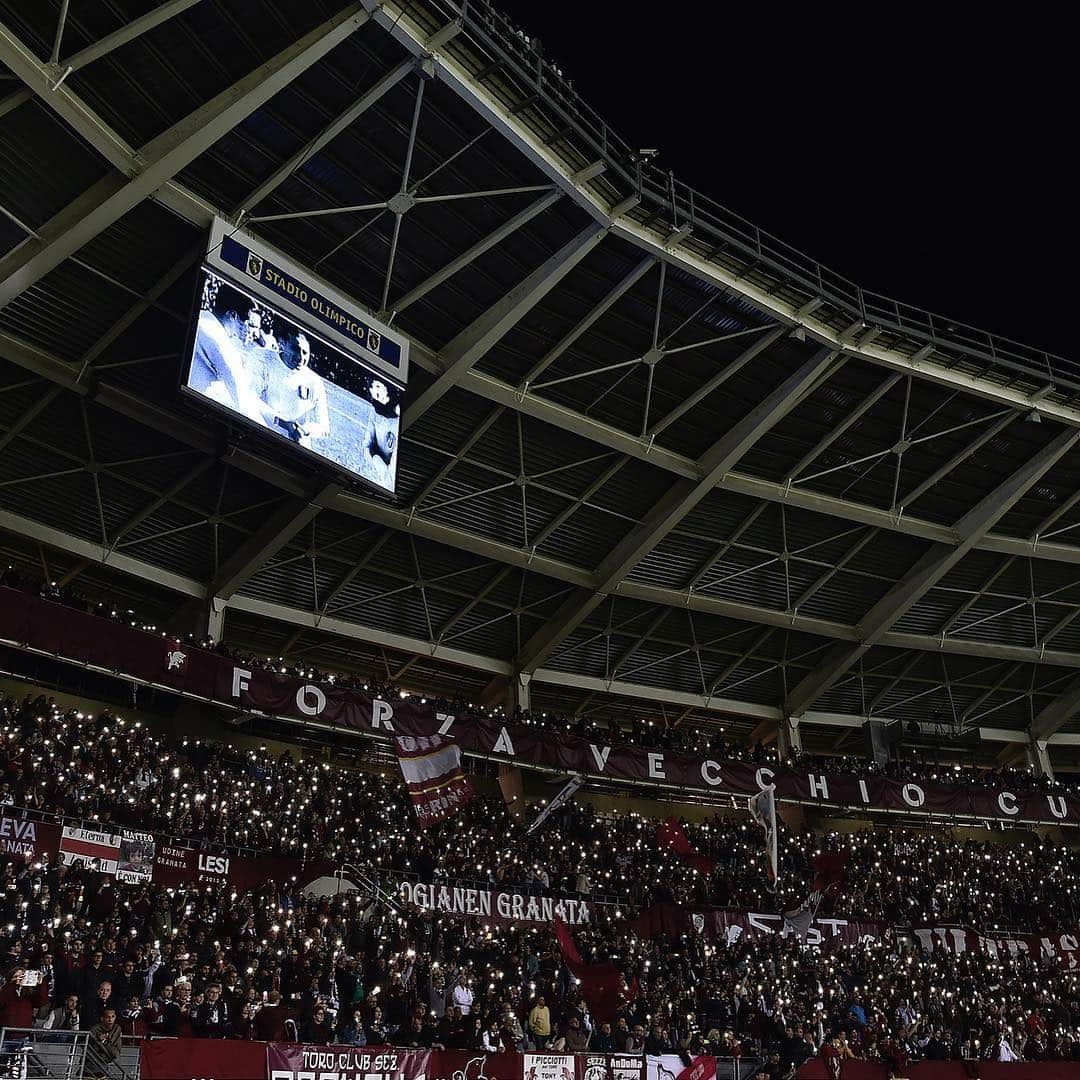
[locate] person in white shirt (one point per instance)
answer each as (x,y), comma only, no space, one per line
(462,995)
(1005,1052)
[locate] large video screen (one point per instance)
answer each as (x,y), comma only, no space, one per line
(252,359)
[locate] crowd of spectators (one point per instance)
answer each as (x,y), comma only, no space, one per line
(274,962)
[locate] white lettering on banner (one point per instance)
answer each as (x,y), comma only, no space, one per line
(13,828)
(656,766)
(600,755)
(214,864)
(305,706)
(913,794)
(710,773)
(503,745)
(382,713)
(446,722)
(241,680)
(1011,808)
(17,837)
(1059,810)
(864,792)
(463,900)
(819,786)
(763,772)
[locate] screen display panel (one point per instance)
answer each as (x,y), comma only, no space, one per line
(253,358)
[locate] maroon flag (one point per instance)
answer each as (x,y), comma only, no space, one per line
(431,766)
(602,985)
(828,874)
(672,835)
(670,920)
(701,1068)
(829,871)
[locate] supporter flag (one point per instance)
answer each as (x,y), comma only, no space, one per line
(431,766)
(602,985)
(828,874)
(798,920)
(701,1068)
(763,811)
(829,871)
(670,920)
(672,835)
(560,800)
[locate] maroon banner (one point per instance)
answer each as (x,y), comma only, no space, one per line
(175,865)
(1064,945)
(299,1061)
(29,840)
(431,768)
(194,1059)
(731,925)
(29,621)
(133,857)
(222,1059)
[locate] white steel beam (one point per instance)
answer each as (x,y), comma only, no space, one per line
(1058,713)
(486,243)
(197,211)
(930,568)
(102,47)
(332,130)
(263,544)
(205,438)
(403,24)
(671,508)
(99,553)
(161,158)
(472,343)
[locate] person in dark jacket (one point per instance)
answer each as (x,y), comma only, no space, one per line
(316,1029)
(212,1016)
(270,1019)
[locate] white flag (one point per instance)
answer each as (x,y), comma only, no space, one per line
(763,811)
(799,919)
(561,799)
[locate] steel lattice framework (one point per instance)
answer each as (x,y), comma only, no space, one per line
(653,459)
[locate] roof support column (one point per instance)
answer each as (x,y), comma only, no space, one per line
(789,739)
(1038,755)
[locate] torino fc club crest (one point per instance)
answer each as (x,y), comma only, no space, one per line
(176,660)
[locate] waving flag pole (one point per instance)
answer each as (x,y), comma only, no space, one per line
(559,801)
(763,811)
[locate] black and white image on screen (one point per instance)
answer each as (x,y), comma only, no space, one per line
(255,361)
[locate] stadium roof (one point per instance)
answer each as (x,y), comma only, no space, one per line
(653,457)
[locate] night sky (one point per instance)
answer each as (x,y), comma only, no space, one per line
(931,163)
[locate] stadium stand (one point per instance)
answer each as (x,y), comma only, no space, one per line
(209,962)
(350,362)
